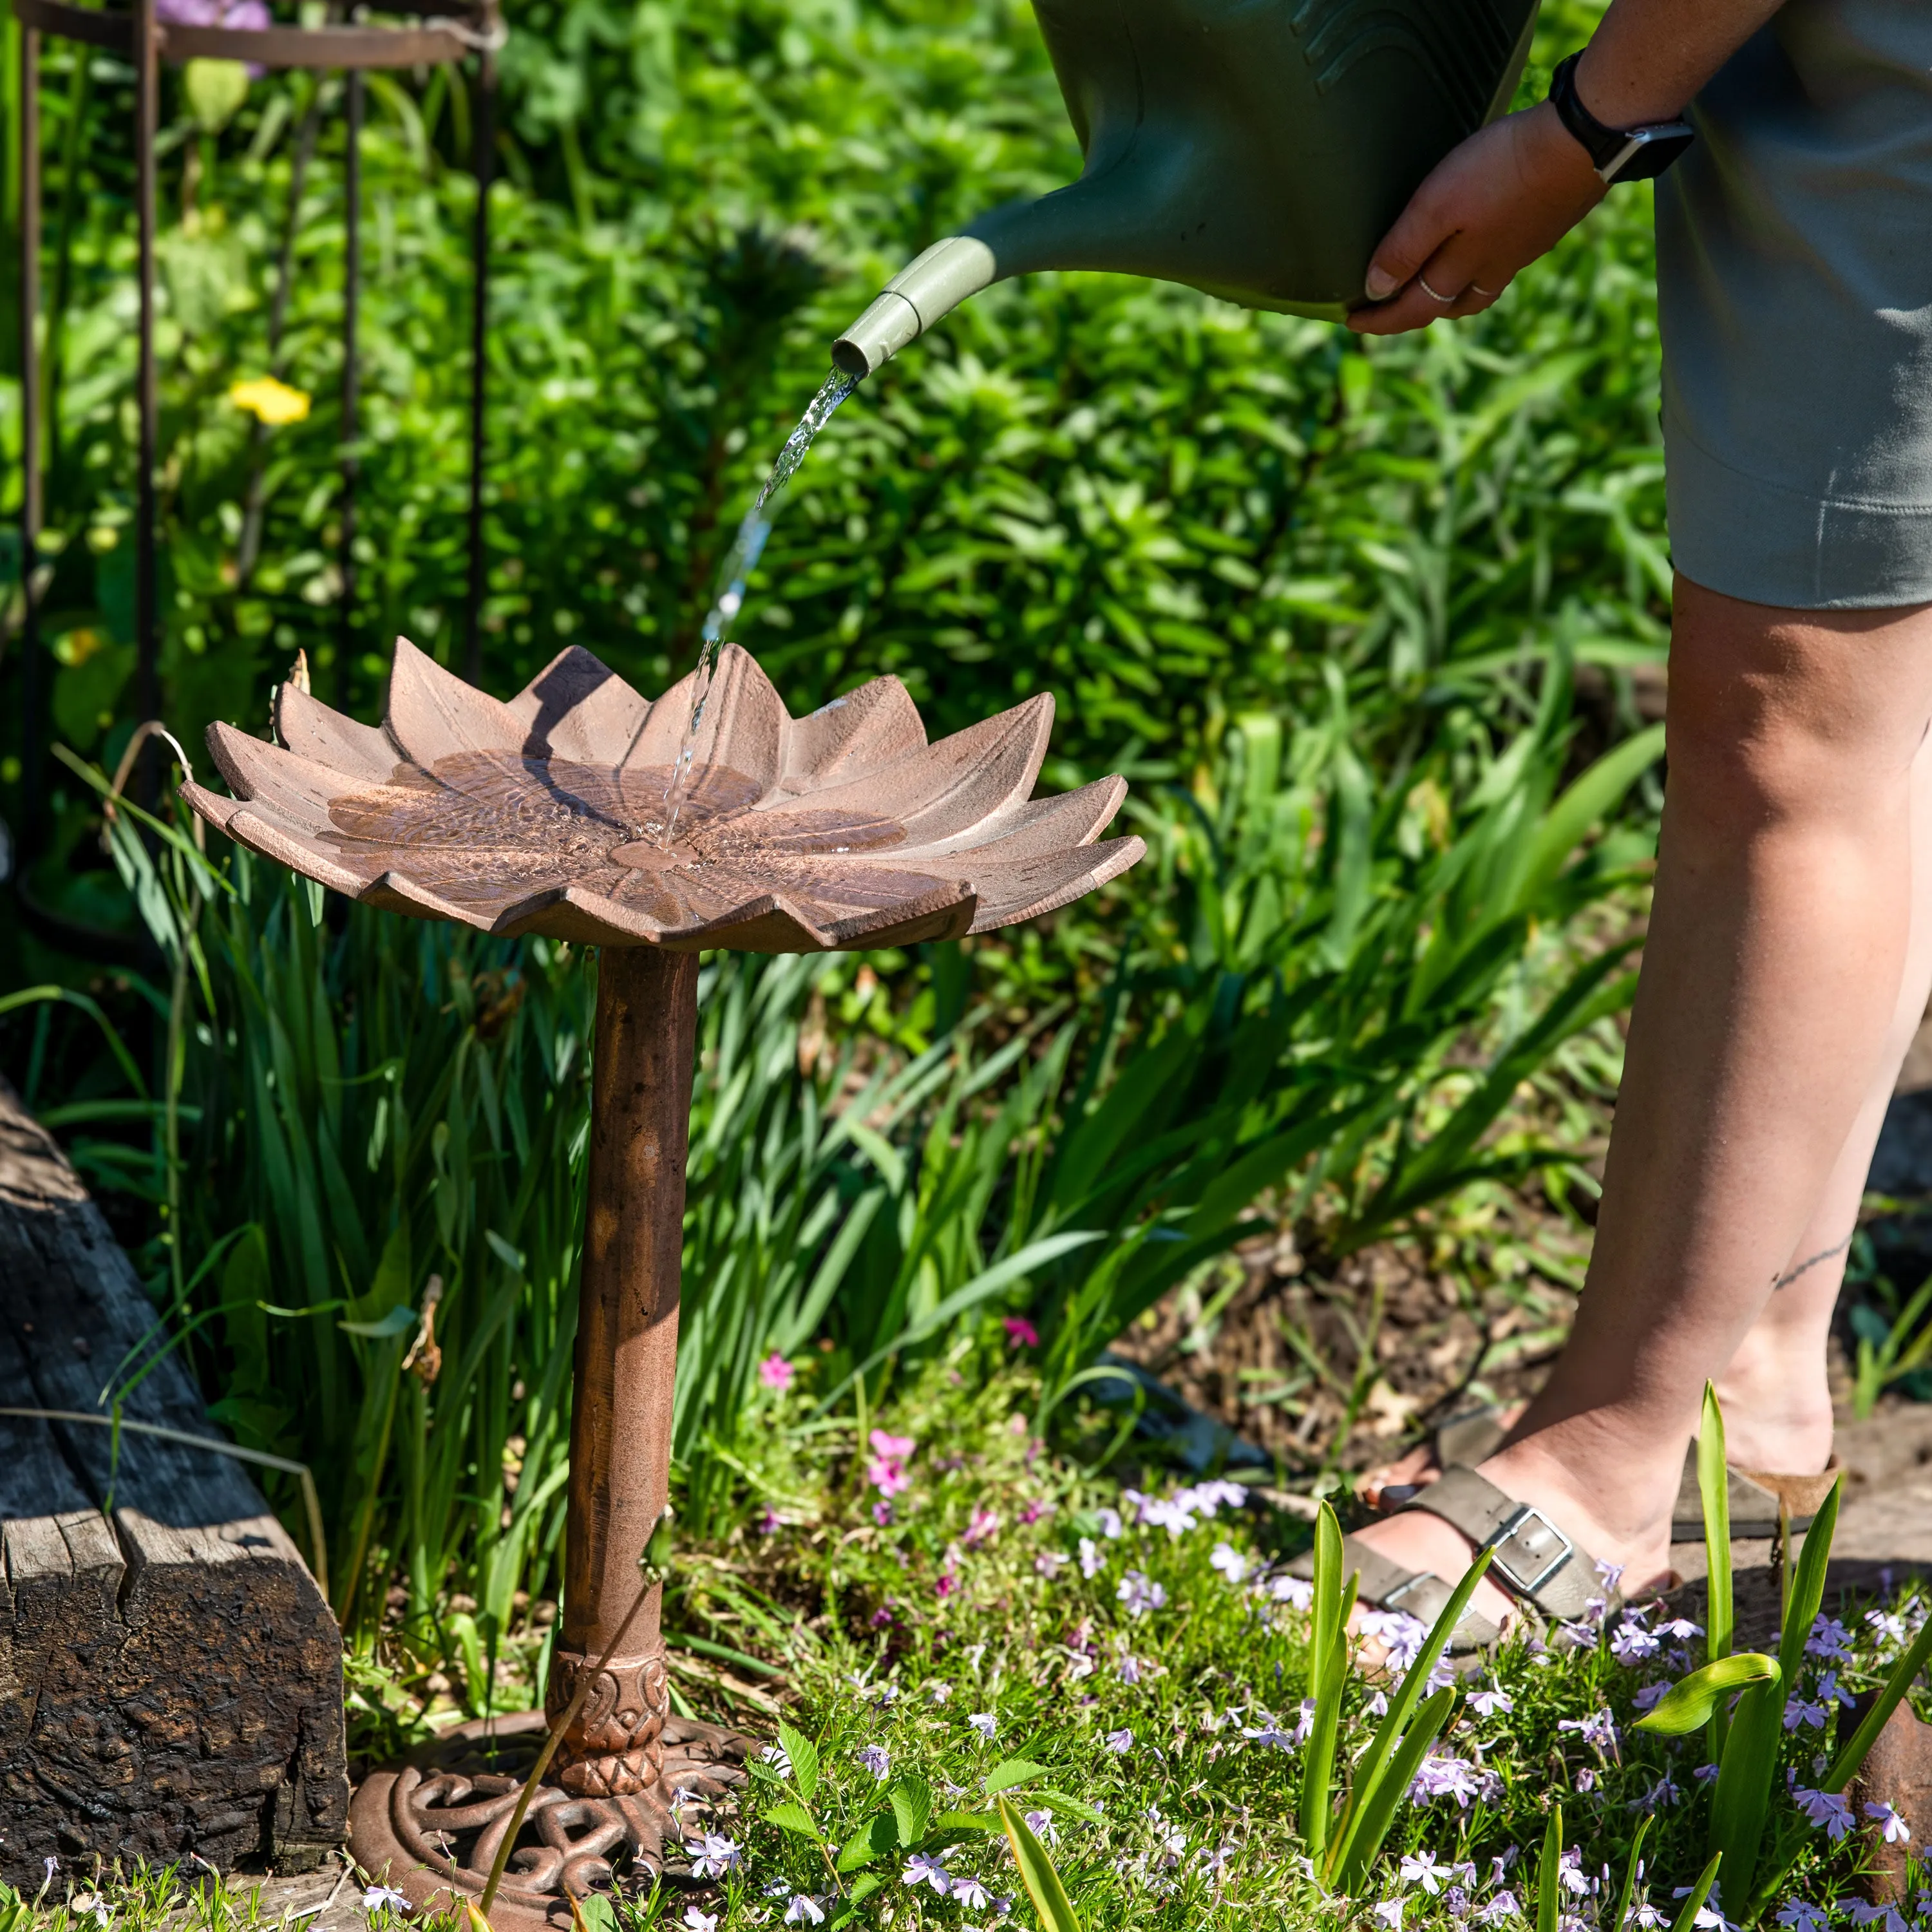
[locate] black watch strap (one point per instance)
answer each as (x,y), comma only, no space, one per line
(1617,154)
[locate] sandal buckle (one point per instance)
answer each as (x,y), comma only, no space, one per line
(1507,1531)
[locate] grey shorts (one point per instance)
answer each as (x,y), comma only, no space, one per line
(1794,259)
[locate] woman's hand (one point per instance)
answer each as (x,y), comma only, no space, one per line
(1510,193)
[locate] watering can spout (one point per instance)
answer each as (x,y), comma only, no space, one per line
(1256,149)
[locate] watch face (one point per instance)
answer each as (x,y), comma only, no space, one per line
(1651,150)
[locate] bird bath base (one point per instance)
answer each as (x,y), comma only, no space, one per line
(431,1826)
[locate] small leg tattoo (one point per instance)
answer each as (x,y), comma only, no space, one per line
(1806,1267)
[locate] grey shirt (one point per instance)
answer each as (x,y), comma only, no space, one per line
(1794,246)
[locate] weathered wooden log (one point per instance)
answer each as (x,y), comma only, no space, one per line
(170,1676)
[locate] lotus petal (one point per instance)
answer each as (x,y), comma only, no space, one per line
(300,791)
(433,714)
(862,732)
(1026,888)
(1041,826)
(743,730)
(311,730)
(578,708)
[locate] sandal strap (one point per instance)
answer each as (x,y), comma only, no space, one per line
(1534,1558)
(1420,1593)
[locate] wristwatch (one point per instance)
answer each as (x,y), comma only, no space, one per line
(1617,154)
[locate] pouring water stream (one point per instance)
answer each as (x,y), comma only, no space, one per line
(740,560)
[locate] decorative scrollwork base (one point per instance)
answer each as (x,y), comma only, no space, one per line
(431,1826)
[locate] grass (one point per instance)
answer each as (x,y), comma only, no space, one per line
(1129,1667)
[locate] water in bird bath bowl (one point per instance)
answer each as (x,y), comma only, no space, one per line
(739,562)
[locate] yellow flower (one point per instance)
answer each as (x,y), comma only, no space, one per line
(270,401)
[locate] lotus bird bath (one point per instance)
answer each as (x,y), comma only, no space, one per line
(547,815)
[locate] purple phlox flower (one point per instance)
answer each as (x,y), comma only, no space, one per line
(1091,1558)
(1402,1635)
(1487,1703)
(1039,1507)
(1304,1720)
(1704,1773)
(1586,1779)
(1295,1592)
(1828,1638)
(1121,1742)
(1168,1513)
(1892,1827)
(1209,1499)
(1504,1864)
(928,1868)
(770,1521)
(695,1921)
(713,1854)
(938,1691)
(1888,1627)
(1645,1916)
(1830,1691)
(1631,1643)
(1571,1874)
(877,1760)
(1887,1915)
(1799,1712)
(1229,1561)
(1377,1705)
(1647,1698)
(1109,1521)
(1041,1824)
(970,1891)
(1020,1333)
(984,1527)
(1599,1729)
(1501,1906)
(1128,1669)
(1576,1636)
(886,1471)
(985,1724)
(1681,1629)
(1441,1775)
(1079,1667)
(1140,1594)
(1609,1575)
(1420,1868)
(804,1909)
(1799,1916)
(1213,1859)
(1268,1736)
(1049,1563)
(376,1897)
(1665,1791)
(775,1373)
(1826,1810)
(1389,1913)
(779,1758)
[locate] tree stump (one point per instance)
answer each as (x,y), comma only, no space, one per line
(170,1676)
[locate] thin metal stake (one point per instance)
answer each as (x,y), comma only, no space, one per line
(352,293)
(147,630)
(33,730)
(484,139)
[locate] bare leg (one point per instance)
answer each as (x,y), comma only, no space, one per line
(1772,975)
(1777,1406)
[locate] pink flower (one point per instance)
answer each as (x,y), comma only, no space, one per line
(882,1514)
(1020,1333)
(775,1373)
(886,1471)
(985,1527)
(945,1587)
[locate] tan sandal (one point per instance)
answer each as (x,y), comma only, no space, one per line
(1755,1495)
(1544,1568)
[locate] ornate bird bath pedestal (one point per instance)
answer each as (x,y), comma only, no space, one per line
(546,815)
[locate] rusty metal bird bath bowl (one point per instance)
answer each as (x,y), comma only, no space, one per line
(547,815)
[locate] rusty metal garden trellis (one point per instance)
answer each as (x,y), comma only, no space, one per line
(447,32)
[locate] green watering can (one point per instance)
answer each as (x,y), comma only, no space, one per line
(1256,149)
